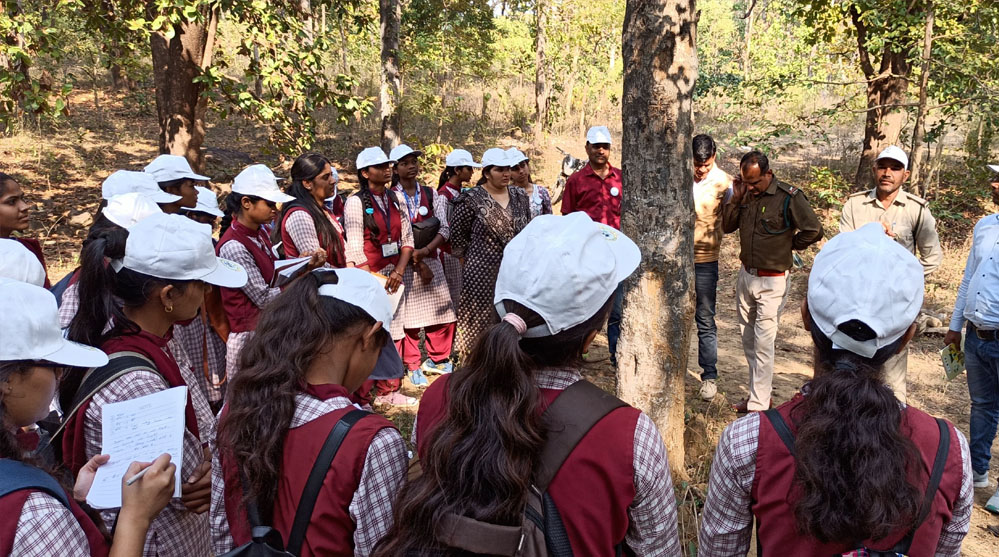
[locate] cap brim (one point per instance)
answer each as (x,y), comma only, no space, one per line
(276,197)
(207,210)
(228,274)
(199,177)
(389,365)
(994,167)
(164,197)
(77,355)
(627,255)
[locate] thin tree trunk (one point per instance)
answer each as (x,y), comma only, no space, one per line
(935,163)
(390,13)
(919,130)
(660,68)
(748,48)
(305,9)
(343,49)
(540,69)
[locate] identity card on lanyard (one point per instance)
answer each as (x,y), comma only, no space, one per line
(389,248)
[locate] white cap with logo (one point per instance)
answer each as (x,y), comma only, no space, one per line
(360,288)
(259,181)
(495,157)
(866,276)
(515,156)
(128,209)
(166,168)
(372,156)
(564,268)
(30,329)
(128,181)
(896,154)
(403,150)
(173,247)
(460,157)
(597,135)
(18,263)
(208,202)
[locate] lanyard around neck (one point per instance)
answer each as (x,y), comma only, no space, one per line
(384,211)
(416,202)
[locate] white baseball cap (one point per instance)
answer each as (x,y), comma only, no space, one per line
(515,156)
(867,276)
(564,268)
(360,288)
(259,181)
(208,202)
(994,168)
(460,157)
(403,150)
(174,247)
(896,154)
(128,181)
(127,209)
(30,329)
(598,134)
(495,157)
(372,156)
(18,263)
(166,168)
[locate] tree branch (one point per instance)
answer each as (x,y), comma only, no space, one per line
(749,11)
(865,56)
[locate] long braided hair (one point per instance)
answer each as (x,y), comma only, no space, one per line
(368,202)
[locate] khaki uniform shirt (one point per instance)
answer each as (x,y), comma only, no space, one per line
(709,195)
(766,234)
(909,218)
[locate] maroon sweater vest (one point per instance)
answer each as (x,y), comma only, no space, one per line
(373,246)
(426,200)
(773,497)
(595,485)
(10,514)
(240,310)
(291,251)
(331,531)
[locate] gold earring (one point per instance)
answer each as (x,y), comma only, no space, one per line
(168,309)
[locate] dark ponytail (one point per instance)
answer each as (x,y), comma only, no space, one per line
(445,176)
(856,471)
(307,167)
(481,458)
(483,178)
(232,207)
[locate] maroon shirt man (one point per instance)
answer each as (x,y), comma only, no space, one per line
(596,188)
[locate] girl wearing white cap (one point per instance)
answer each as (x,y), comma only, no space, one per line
(520,174)
(489,421)
(457,172)
(428,303)
(306,225)
(380,240)
(167,268)
(252,203)
(174,175)
(280,410)
(483,220)
(844,467)
(14,214)
(38,517)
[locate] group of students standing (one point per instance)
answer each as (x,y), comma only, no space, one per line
(512,442)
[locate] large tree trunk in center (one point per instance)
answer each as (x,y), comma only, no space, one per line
(660,61)
(390,13)
(179,105)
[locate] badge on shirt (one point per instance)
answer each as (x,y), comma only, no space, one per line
(614,191)
(423,211)
(388,250)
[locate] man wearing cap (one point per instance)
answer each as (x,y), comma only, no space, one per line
(773,218)
(712,187)
(907,219)
(978,305)
(596,190)
(174,175)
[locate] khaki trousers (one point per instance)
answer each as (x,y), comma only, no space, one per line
(894,373)
(759,302)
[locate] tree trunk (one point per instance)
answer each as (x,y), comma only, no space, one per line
(748,48)
(390,13)
(540,70)
(660,68)
(305,9)
(918,154)
(886,94)
(179,105)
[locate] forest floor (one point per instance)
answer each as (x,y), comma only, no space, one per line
(61,169)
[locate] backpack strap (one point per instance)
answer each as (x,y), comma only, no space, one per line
(16,476)
(569,418)
(783,431)
(303,515)
(939,461)
(480,537)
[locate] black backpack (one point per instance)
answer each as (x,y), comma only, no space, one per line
(266,541)
(939,461)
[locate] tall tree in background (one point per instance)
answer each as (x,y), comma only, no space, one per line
(390,13)
(541,68)
(660,61)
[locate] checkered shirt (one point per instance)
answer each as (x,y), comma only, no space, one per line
(206,353)
(175,531)
(70,305)
(48,528)
(303,233)
(256,288)
(371,508)
(727,522)
(197,386)
(353,220)
(233,348)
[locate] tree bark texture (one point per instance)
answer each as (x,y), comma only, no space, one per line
(919,147)
(179,105)
(660,68)
(541,68)
(390,13)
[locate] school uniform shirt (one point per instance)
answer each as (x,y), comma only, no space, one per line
(45,527)
(426,304)
(298,234)
(615,485)
(727,520)
(595,196)
(70,305)
(370,507)
(452,266)
(978,295)
(205,351)
(541,201)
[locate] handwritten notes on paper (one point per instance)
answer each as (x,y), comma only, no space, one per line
(140,429)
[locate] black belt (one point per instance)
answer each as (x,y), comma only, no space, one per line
(991,334)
